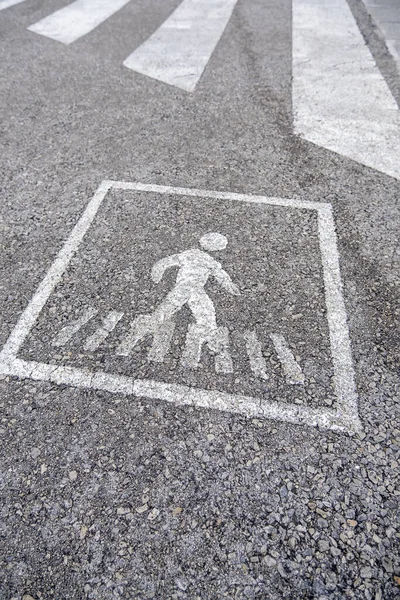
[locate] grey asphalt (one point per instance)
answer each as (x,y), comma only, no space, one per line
(386,15)
(108,496)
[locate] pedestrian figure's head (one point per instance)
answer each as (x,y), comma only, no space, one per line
(213,242)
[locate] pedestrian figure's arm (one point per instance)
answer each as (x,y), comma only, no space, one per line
(226,282)
(162,265)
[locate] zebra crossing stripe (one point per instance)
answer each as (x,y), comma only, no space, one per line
(218,344)
(291,368)
(102,333)
(340,99)
(69,331)
(7,3)
(178,52)
(254,352)
(77,19)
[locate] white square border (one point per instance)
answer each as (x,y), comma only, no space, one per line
(343,418)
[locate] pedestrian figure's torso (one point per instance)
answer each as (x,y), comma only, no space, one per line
(195,269)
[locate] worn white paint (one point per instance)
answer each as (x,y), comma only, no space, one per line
(53,276)
(343,418)
(144,326)
(340,99)
(178,52)
(195,268)
(77,19)
(344,380)
(290,366)
(139,329)
(217,341)
(71,329)
(161,341)
(7,3)
(254,352)
(101,334)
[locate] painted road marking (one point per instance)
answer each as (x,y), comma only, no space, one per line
(161,342)
(292,369)
(178,52)
(102,333)
(344,415)
(217,341)
(7,3)
(195,268)
(140,328)
(70,330)
(254,352)
(340,99)
(77,19)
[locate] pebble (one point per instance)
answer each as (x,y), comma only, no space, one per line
(366,572)
(73,475)
(35,452)
(323,545)
(269,561)
(352,522)
(123,510)
(153,514)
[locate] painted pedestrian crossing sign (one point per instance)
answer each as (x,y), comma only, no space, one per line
(196,309)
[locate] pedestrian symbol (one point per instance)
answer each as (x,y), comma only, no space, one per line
(195,268)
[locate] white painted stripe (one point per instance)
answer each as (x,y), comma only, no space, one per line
(291,368)
(182,395)
(196,193)
(254,352)
(70,330)
(344,376)
(77,19)
(6,3)
(178,52)
(143,326)
(340,99)
(140,328)
(101,334)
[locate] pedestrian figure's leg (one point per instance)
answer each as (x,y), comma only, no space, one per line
(171,304)
(158,324)
(206,331)
(203,311)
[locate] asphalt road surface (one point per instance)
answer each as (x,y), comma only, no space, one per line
(200,300)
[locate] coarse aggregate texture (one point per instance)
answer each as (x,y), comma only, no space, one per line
(105,496)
